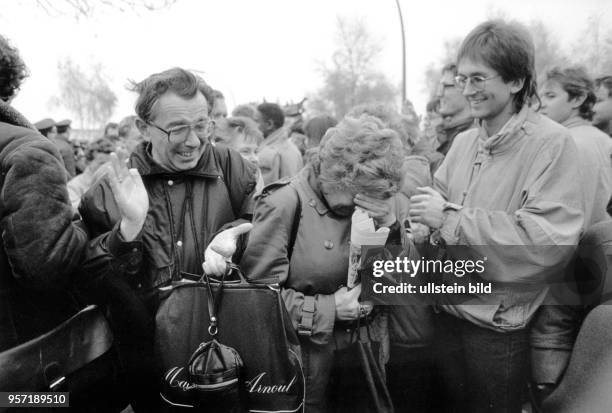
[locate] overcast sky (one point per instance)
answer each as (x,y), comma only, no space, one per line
(252,50)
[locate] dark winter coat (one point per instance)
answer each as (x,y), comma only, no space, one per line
(40,246)
(186,209)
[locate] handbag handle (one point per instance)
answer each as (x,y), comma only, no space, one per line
(231,269)
(214,302)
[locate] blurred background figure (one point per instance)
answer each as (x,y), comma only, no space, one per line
(111,131)
(242,135)
(62,141)
(316,127)
(278,157)
(48,128)
(96,155)
(129,135)
(247,110)
(603,108)
(219,110)
(78,148)
(428,141)
(454,110)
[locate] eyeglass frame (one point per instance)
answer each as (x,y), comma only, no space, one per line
(209,122)
(470,80)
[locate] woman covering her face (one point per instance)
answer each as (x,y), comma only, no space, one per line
(301,235)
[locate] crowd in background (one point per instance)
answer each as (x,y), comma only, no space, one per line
(493,162)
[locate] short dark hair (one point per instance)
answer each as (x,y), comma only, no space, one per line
(12,70)
(273,112)
(605,81)
(177,80)
(577,83)
(508,49)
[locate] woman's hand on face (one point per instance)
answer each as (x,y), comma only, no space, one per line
(381,211)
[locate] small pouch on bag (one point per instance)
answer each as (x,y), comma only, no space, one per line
(357,382)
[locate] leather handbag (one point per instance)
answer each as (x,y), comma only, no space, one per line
(59,360)
(357,381)
(252,319)
(211,380)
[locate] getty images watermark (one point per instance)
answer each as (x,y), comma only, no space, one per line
(406,267)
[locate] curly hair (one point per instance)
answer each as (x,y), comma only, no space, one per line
(177,80)
(360,155)
(12,70)
(390,117)
(577,83)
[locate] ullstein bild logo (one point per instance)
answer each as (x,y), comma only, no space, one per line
(255,386)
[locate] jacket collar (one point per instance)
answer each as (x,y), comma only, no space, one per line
(310,185)
(575,121)
(142,160)
(509,135)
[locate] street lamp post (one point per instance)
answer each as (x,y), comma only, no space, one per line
(399,11)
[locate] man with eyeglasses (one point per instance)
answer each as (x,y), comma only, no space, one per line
(454,109)
(507,191)
(159,233)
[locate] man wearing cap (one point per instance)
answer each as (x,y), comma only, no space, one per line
(48,128)
(62,140)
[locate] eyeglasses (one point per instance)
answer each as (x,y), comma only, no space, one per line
(478,82)
(180,133)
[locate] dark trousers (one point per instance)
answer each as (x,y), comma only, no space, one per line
(478,369)
(409,379)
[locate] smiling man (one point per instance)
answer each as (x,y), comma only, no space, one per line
(508,190)
(193,191)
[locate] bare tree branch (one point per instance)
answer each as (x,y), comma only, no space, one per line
(88,8)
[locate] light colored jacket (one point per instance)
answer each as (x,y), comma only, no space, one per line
(278,157)
(522,209)
(594,152)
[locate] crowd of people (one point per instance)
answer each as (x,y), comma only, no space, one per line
(509,164)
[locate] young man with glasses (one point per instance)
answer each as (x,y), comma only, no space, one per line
(162,232)
(507,190)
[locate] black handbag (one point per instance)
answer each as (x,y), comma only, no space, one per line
(76,357)
(212,379)
(251,319)
(357,383)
